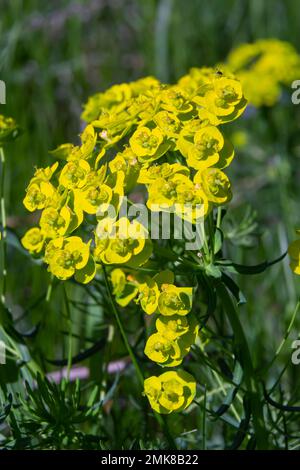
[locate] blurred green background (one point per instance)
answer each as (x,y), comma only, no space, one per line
(53,55)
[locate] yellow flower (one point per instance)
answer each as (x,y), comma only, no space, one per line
(218,96)
(168,123)
(172,327)
(123,242)
(215,185)
(175,100)
(261,89)
(91,198)
(8,129)
(118,280)
(70,256)
(163,350)
(185,138)
(175,300)
(72,152)
(165,170)
(116,181)
(39,195)
(112,128)
(173,340)
(226,96)
(44,174)
(123,246)
(180,195)
(263,67)
(124,289)
(74,174)
(88,142)
(33,240)
(148,296)
(294,253)
(126,162)
(55,222)
(97,177)
(115,99)
(145,106)
(170,392)
(208,143)
(146,144)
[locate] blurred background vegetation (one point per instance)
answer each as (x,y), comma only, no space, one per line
(53,55)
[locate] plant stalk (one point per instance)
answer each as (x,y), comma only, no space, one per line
(121,328)
(244,356)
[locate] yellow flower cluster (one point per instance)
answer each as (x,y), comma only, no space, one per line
(168,139)
(176,331)
(171,391)
(66,198)
(8,129)
(177,125)
(263,67)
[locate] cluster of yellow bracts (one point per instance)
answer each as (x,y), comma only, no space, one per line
(176,331)
(130,127)
(168,139)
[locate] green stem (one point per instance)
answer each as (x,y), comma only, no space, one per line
(49,289)
(219,217)
(243,353)
(121,328)
(107,354)
(68,312)
(211,231)
(4,228)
